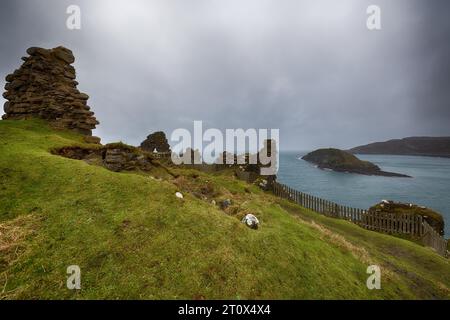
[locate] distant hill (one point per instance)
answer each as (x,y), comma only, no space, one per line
(342,161)
(414,146)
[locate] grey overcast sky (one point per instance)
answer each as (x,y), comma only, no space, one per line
(308,67)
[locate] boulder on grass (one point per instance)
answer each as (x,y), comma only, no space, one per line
(225,204)
(251,221)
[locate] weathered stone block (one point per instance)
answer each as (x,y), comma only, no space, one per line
(44,87)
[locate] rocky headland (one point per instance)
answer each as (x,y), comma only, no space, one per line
(341,161)
(412,146)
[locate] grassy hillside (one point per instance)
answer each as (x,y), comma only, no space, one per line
(133,239)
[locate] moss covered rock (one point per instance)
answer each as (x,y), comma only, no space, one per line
(433,218)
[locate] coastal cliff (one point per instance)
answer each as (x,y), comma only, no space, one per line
(413,146)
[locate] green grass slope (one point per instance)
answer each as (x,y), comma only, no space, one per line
(133,239)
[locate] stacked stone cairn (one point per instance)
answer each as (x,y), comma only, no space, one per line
(45,87)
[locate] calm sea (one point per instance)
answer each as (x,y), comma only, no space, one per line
(430,185)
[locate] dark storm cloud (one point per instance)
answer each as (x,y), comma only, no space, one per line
(433,78)
(309,68)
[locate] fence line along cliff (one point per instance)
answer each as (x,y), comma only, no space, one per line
(411,225)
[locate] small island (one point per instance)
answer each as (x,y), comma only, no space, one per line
(341,161)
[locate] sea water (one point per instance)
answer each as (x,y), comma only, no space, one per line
(429,185)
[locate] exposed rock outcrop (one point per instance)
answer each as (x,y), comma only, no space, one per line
(115,156)
(121,159)
(249,167)
(225,204)
(45,87)
(434,219)
(156,142)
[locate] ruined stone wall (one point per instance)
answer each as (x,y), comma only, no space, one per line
(45,87)
(156,142)
(115,156)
